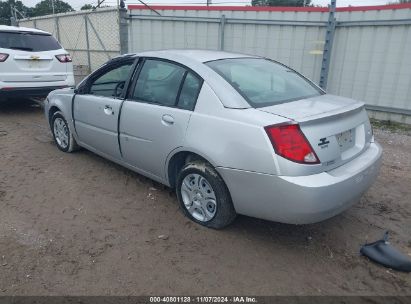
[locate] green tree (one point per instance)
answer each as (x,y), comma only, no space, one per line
(45,7)
(87,7)
(281,2)
(5,10)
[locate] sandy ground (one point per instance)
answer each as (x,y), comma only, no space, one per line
(77,224)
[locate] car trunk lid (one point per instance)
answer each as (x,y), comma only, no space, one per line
(33,67)
(337,128)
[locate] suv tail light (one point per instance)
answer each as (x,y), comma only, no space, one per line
(3,57)
(64,58)
(289,142)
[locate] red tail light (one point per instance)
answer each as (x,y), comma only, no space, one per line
(3,57)
(289,142)
(64,58)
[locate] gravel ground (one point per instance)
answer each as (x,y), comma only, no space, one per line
(77,224)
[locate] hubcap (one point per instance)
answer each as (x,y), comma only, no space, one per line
(61,132)
(199,197)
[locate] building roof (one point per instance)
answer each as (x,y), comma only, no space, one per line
(270,8)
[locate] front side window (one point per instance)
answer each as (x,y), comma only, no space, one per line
(263,82)
(159,82)
(30,42)
(111,83)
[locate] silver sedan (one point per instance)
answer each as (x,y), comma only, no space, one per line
(232,133)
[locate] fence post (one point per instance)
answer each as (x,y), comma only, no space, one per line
(87,43)
(221,34)
(123,30)
(329,39)
(13,21)
(56,21)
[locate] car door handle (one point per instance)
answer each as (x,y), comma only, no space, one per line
(167,119)
(108,110)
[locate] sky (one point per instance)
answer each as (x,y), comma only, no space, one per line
(76,4)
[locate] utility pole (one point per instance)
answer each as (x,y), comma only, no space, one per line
(52,6)
(14,19)
(208,2)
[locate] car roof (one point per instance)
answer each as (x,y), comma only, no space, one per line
(195,59)
(7,28)
(193,55)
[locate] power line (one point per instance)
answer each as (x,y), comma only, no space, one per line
(99,3)
(152,9)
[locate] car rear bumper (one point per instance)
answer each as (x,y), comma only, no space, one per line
(10,92)
(33,89)
(303,199)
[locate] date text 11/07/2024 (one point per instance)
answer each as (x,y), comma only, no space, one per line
(233,299)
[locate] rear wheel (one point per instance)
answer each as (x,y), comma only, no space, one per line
(203,195)
(61,133)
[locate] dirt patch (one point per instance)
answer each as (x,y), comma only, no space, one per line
(77,224)
(391,126)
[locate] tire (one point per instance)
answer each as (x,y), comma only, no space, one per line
(199,199)
(69,144)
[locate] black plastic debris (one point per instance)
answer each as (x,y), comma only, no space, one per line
(383,253)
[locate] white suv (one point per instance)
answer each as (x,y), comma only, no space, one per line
(32,63)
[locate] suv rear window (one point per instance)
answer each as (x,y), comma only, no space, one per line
(31,42)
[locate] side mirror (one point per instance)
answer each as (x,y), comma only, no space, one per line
(80,89)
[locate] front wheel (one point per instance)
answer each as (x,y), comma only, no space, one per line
(203,195)
(61,133)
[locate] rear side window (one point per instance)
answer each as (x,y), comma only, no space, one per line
(159,82)
(30,42)
(167,84)
(189,92)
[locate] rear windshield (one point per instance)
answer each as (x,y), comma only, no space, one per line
(263,82)
(28,42)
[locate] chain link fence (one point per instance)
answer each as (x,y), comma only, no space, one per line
(370,60)
(91,37)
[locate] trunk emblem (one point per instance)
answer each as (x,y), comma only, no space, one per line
(323,142)
(33,57)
